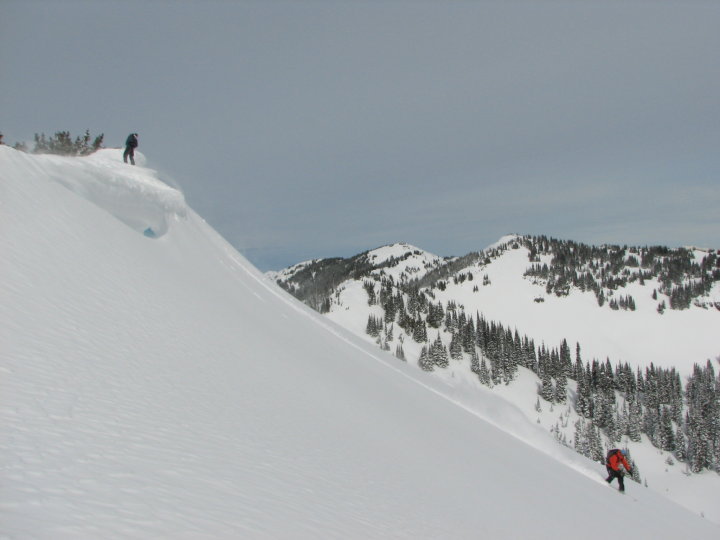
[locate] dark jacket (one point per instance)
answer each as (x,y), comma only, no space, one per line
(131,141)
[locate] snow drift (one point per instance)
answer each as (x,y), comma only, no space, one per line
(158,386)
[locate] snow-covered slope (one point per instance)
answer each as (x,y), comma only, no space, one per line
(676,338)
(155,385)
(501,292)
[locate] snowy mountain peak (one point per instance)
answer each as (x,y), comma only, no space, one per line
(402,261)
(398,250)
(503,241)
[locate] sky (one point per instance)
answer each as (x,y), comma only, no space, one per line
(315,129)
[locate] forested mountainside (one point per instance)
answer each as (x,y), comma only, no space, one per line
(417,305)
(684,275)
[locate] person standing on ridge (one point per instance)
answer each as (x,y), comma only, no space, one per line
(615,458)
(130,146)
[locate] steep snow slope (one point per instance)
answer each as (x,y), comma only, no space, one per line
(160,387)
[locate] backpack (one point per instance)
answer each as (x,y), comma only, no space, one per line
(610,454)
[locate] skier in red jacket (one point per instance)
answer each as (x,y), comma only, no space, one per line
(615,458)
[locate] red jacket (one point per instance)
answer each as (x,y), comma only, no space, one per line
(616,460)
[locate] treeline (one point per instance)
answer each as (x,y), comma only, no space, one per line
(607,268)
(63,144)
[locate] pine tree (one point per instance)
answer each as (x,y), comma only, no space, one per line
(566,368)
(583,403)
(666,432)
(456,352)
(634,424)
(579,442)
(369,287)
(373,326)
(560,388)
(484,374)
(474,362)
(547,391)
(435,315)
(579,369)
(703,419)
(468,336)
(424,361)
(62,144)
(419,331)
(438,353)
(595,443)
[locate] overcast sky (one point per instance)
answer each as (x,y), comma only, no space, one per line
(315,129)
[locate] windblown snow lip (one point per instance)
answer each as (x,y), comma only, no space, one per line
(133,195)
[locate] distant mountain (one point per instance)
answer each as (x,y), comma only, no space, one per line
(629,304)
(314,282)
(602,345)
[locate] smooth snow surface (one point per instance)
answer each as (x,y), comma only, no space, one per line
(164,388)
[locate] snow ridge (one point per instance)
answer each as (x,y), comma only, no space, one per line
(133,195)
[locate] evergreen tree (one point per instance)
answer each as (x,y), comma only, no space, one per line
(369,287)
(456,352)
(374,326)
(634,424)
(435,315)
(424,361)
(595,443)
(419,331)
(666,432)
(438,353)
(566,368)
(62,144)
(583,403)
(468,336)
(474,362)
(547,391)
(560,388)
(703,419)
(484,374)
